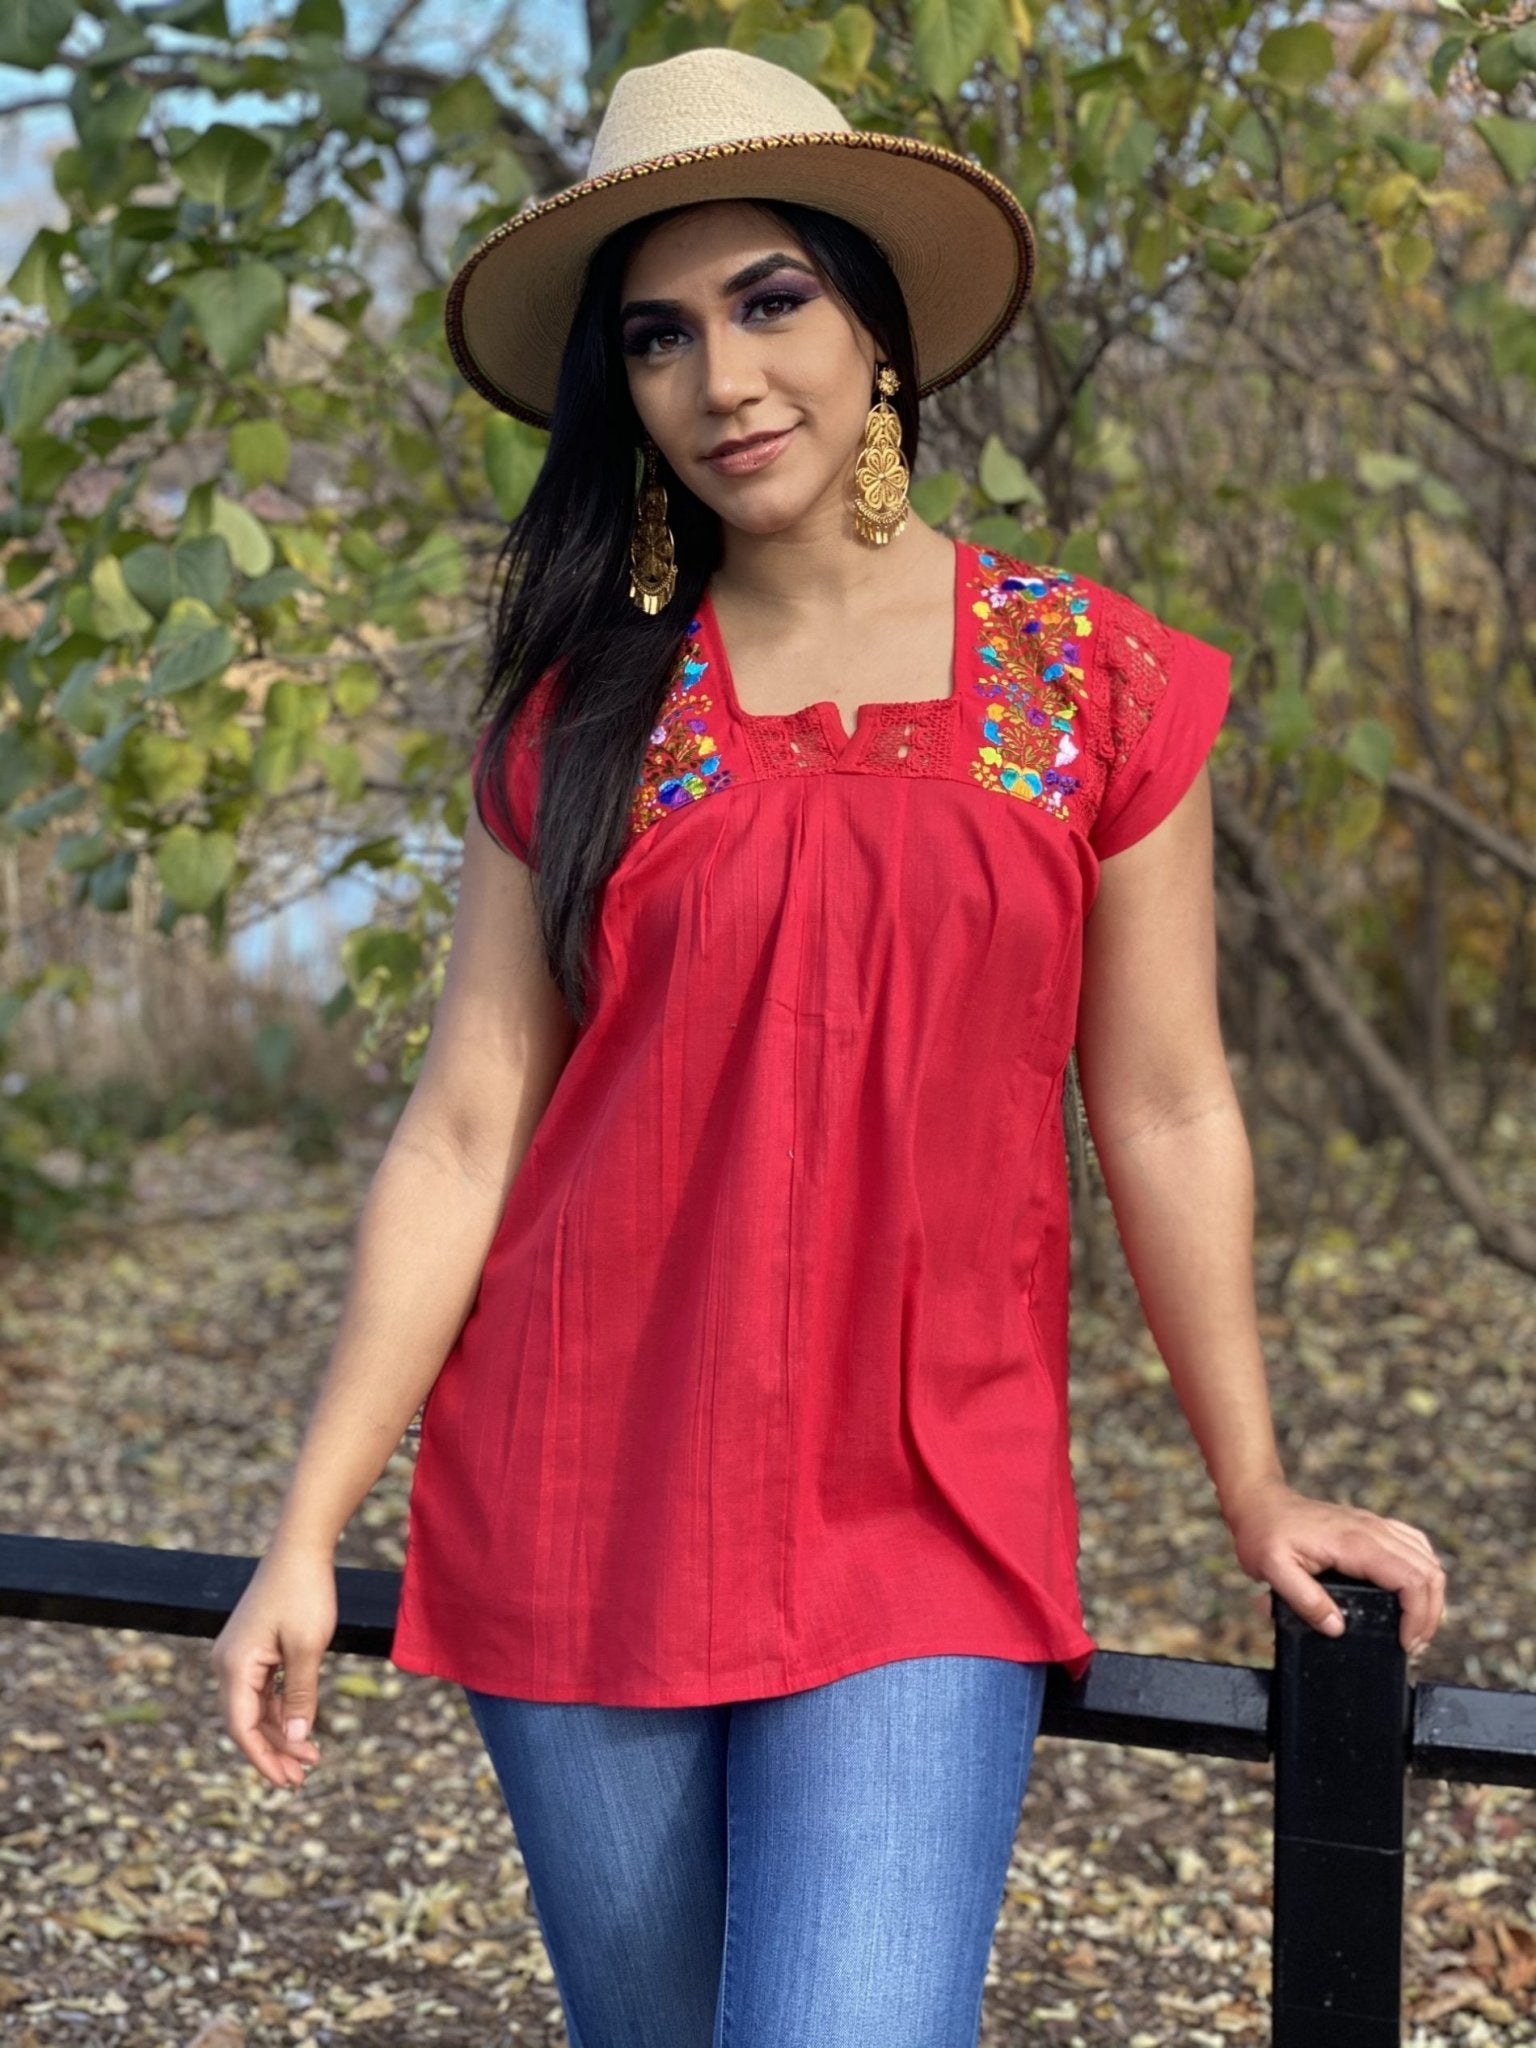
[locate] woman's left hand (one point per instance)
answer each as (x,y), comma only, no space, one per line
(1281,1537)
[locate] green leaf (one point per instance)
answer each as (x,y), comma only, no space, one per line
(259,451)
(38,279)
(169,767)
(1357,817)
(46,462)
(1423,159)
(853,44)
(997,530)
(320,18)
(1003,477)
(24,761)
(1323,507)
(1371,45)
(190,658)
(199,568)
(195,867)
(227,167)
(1446,59)
(513,456)
(1407,256)
(934,498)
(101,756)
(204,17)
(343,766)
(342,90)
(464,110)
(280,754)
(116,613)
(236,309)
(110,883)
(802,50)
(355,688)
(1381,472)
(96,372)
(1443,500)
(32,30)
(39,374)
(78,702)
(270,589)
(1297,56)
(1499,64)
(305,550)
(57,803)
(1288,722)
(1513,144)
(249,543)
(371,853)
(1369,748)
(375,959)
(949,36)
(107,111)
(299,707)
(77,852)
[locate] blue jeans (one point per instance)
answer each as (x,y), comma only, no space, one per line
(822,1867)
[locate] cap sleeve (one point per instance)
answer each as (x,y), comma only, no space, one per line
(1163,695)
(507,803)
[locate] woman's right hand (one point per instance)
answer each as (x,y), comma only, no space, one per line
(285,1618)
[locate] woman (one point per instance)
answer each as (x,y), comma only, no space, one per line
(733,1187)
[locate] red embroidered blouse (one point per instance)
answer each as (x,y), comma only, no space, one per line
(766,1378)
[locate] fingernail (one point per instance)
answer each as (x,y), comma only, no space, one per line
(297,1728)
(1334,1625)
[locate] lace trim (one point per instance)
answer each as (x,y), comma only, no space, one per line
(1135,668)
(909,739)
(791,743)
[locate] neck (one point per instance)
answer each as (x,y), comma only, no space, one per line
(820,562)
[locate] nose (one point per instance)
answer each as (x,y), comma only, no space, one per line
(730,369)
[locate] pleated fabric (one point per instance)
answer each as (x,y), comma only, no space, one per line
(766,1379)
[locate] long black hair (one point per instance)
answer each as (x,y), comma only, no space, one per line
(563,577)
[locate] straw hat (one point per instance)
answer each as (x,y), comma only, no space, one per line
(720,124)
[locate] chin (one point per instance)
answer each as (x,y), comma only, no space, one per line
(764,511)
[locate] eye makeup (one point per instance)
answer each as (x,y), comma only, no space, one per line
(785,297)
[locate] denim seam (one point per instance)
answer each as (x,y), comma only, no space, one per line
(1037,1677)
(728,1946)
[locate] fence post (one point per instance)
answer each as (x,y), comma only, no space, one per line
(1341,1739)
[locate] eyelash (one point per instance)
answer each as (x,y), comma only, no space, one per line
(640,344)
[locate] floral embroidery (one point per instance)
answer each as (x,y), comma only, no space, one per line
(1033,625)
(682,763)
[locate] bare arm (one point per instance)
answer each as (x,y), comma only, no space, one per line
(1168,1129)
(500,1036)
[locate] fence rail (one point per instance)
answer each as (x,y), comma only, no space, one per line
(1338,1717)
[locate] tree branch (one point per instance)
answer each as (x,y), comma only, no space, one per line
(1356,1037)
(1508,851)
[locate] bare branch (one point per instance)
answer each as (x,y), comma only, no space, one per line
(1357,1038)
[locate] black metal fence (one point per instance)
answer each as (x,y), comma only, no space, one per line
(1338,1716)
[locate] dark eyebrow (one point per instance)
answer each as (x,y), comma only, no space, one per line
(765,266)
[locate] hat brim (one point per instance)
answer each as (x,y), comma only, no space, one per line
(959,242)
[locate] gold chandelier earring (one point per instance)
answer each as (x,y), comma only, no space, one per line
(652,553)
(881,477)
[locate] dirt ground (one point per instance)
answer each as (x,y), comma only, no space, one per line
(155,1892)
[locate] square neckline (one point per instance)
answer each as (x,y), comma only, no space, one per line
(868,717)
